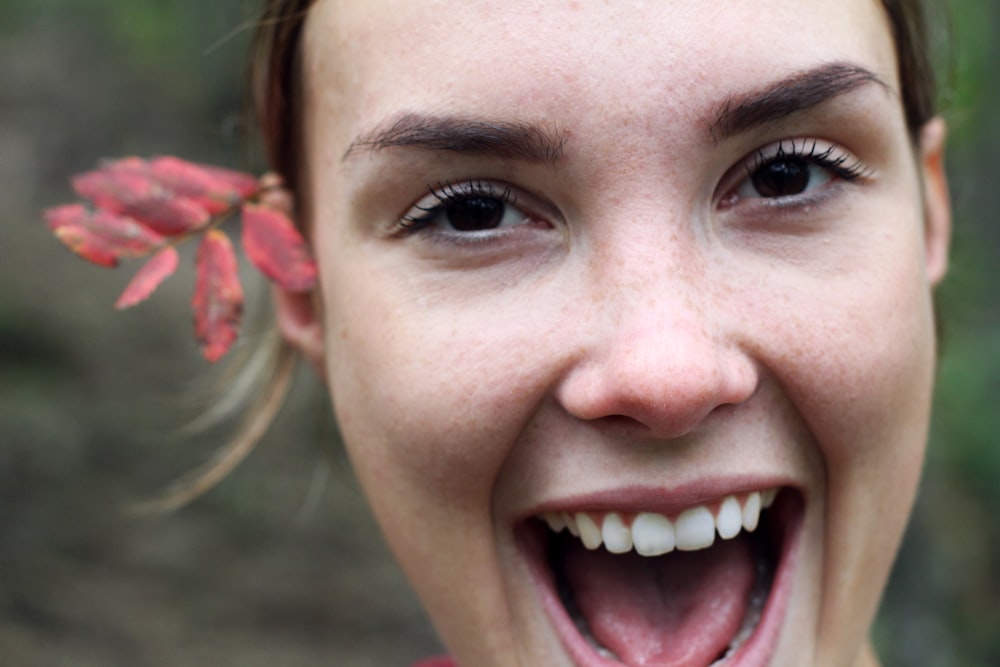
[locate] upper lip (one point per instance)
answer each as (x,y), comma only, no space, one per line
(663,499)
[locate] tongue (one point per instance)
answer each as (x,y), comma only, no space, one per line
(681,609)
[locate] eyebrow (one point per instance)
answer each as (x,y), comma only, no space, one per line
(469,135)
(798,92)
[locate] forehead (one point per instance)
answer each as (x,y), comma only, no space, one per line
(584,60)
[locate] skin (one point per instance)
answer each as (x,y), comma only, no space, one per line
(642,329)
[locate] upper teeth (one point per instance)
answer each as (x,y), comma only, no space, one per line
(654,534)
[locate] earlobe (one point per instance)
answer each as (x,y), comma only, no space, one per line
(937,203)
(301,326)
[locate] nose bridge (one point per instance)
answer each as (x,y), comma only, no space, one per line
(661,329)
(660,354)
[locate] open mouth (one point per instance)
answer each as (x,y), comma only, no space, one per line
(691,589)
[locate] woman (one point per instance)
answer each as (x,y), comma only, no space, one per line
(603,286)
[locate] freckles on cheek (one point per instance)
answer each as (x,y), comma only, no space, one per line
(429,404)
(866,374)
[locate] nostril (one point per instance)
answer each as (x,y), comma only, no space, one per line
(621,420)
(725,409)
(623,425)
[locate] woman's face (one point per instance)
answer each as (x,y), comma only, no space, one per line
(638,264)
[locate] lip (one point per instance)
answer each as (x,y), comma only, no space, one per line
(787,515)
(646,499)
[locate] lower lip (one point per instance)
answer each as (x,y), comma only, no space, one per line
(757,651)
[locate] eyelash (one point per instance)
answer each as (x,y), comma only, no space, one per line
(446,194)
(851,172)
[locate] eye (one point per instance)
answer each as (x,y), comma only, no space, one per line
(476,206)
(792,168)
(784,177)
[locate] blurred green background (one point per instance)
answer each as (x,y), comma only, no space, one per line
(282,564)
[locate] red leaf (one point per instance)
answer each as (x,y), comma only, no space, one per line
(245,184)
(218,295)
(276,247)
(168,214)
(99,236)
(160,267)
(116,183)
(213,188)
(127,187)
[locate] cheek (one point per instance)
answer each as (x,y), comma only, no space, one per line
(848,330)
(430,399)
(869,372)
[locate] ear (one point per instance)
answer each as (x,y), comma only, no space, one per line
(300,323)
(937,203)
(298,314)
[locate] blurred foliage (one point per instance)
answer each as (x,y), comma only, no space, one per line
(942,608)
(970,369)
(110,77)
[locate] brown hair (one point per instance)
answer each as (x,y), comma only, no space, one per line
(275,83)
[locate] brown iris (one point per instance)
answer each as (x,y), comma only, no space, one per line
(781,178)
(475,214)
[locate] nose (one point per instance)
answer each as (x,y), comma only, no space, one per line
(662,351)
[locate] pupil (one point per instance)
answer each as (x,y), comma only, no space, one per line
(782,178)
(475,214)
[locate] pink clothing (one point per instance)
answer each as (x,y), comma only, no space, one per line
(440,661)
